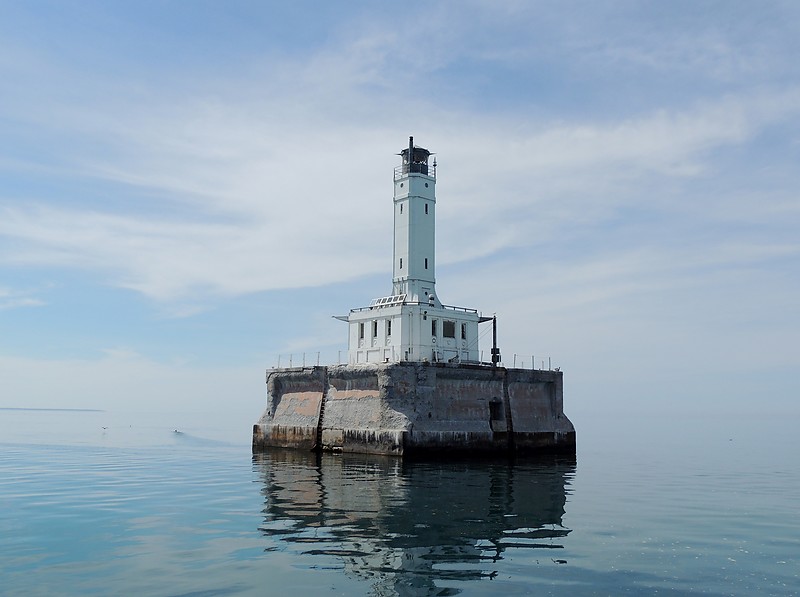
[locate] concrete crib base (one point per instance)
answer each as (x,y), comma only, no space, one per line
(415,409)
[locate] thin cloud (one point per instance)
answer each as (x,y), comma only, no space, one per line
(16,303)
(14,299)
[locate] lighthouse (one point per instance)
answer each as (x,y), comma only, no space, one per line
(414,381)
(411,323)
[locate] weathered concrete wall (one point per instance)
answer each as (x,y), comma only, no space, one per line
(447,405)
(294,398)
(356,417)
(404,408)
(536,402)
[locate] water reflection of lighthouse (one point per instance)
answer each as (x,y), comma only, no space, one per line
(412,528)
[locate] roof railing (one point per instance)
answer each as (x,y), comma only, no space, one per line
(393,301)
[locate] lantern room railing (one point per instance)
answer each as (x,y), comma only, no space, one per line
(415,168)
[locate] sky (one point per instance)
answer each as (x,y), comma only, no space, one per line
(189,191)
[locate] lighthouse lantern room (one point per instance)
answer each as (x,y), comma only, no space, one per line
(412,324)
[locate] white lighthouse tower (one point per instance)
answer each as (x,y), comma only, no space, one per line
(412,324)
(414,382)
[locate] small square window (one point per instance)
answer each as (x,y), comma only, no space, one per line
(449,329)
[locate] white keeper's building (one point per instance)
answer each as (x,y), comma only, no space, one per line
(412,324)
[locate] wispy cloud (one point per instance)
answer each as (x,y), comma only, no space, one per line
(11,299)
(255,214)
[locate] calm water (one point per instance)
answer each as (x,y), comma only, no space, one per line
(105,504)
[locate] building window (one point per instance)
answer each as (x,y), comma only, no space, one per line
(375,328)
(426,209)
(449,329)
(426,263)
(360,331)
(463,331)
(401,208)
(433,328)
(388,327)
(401,263)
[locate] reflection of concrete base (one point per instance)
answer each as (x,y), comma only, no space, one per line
(414,528)
(406,408)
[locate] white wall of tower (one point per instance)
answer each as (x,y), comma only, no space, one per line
(414,263)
